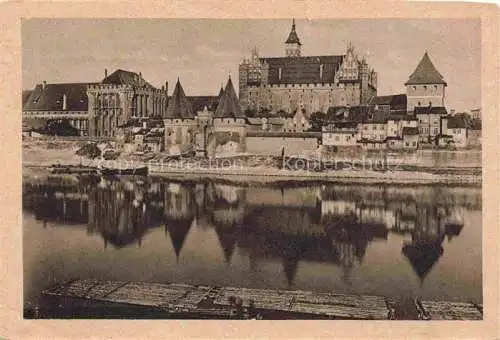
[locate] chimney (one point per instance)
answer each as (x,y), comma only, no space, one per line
(65,103)
(166,86)
(105,73)
(44,84)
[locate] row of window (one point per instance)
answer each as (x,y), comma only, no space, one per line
(425,87)
(424,130)
(374,127)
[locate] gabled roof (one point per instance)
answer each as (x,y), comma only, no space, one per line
(179,106)
(457,123)
(394,101)
(122,77)
(293,38)
(229,105)
(425,73)
(26,94)
(49,97)
(433,110)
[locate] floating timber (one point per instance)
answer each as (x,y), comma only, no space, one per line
(229,302)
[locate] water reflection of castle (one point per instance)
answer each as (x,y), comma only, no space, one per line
(327,224)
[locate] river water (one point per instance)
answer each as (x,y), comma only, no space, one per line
(390,240)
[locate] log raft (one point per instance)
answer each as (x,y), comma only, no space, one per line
(219,302)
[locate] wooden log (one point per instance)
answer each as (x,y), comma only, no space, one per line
(146,294)
(104,288)
(183,298)
(76,288)
(441,310)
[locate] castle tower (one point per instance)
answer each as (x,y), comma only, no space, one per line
(292,44)
(229,124)
(180,123)
(425,86)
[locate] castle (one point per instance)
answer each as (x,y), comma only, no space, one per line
(308,84)
(272,114)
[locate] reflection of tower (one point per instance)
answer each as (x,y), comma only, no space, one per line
(425,248)
(227,236)
(179,213)
(227,211)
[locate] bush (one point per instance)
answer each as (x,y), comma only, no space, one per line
(89,151)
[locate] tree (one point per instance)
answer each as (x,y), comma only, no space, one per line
(250,112)
(61,128)
(317,120)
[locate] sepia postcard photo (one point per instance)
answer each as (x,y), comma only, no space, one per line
(261,168)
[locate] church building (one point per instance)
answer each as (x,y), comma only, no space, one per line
(306,83)
(121,96)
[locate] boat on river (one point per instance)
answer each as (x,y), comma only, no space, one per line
(72,169)
(139,171)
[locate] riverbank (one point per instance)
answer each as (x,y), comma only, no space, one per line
(271,175)
(255,168)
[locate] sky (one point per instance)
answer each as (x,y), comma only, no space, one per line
(203,53)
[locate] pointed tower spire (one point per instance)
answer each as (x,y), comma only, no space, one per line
(228,104)
(425,73)
(178,105)
(292,44)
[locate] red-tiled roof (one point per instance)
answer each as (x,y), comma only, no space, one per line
(302,70)
(178,105)
(229,105)
(49,97)
(425,73)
